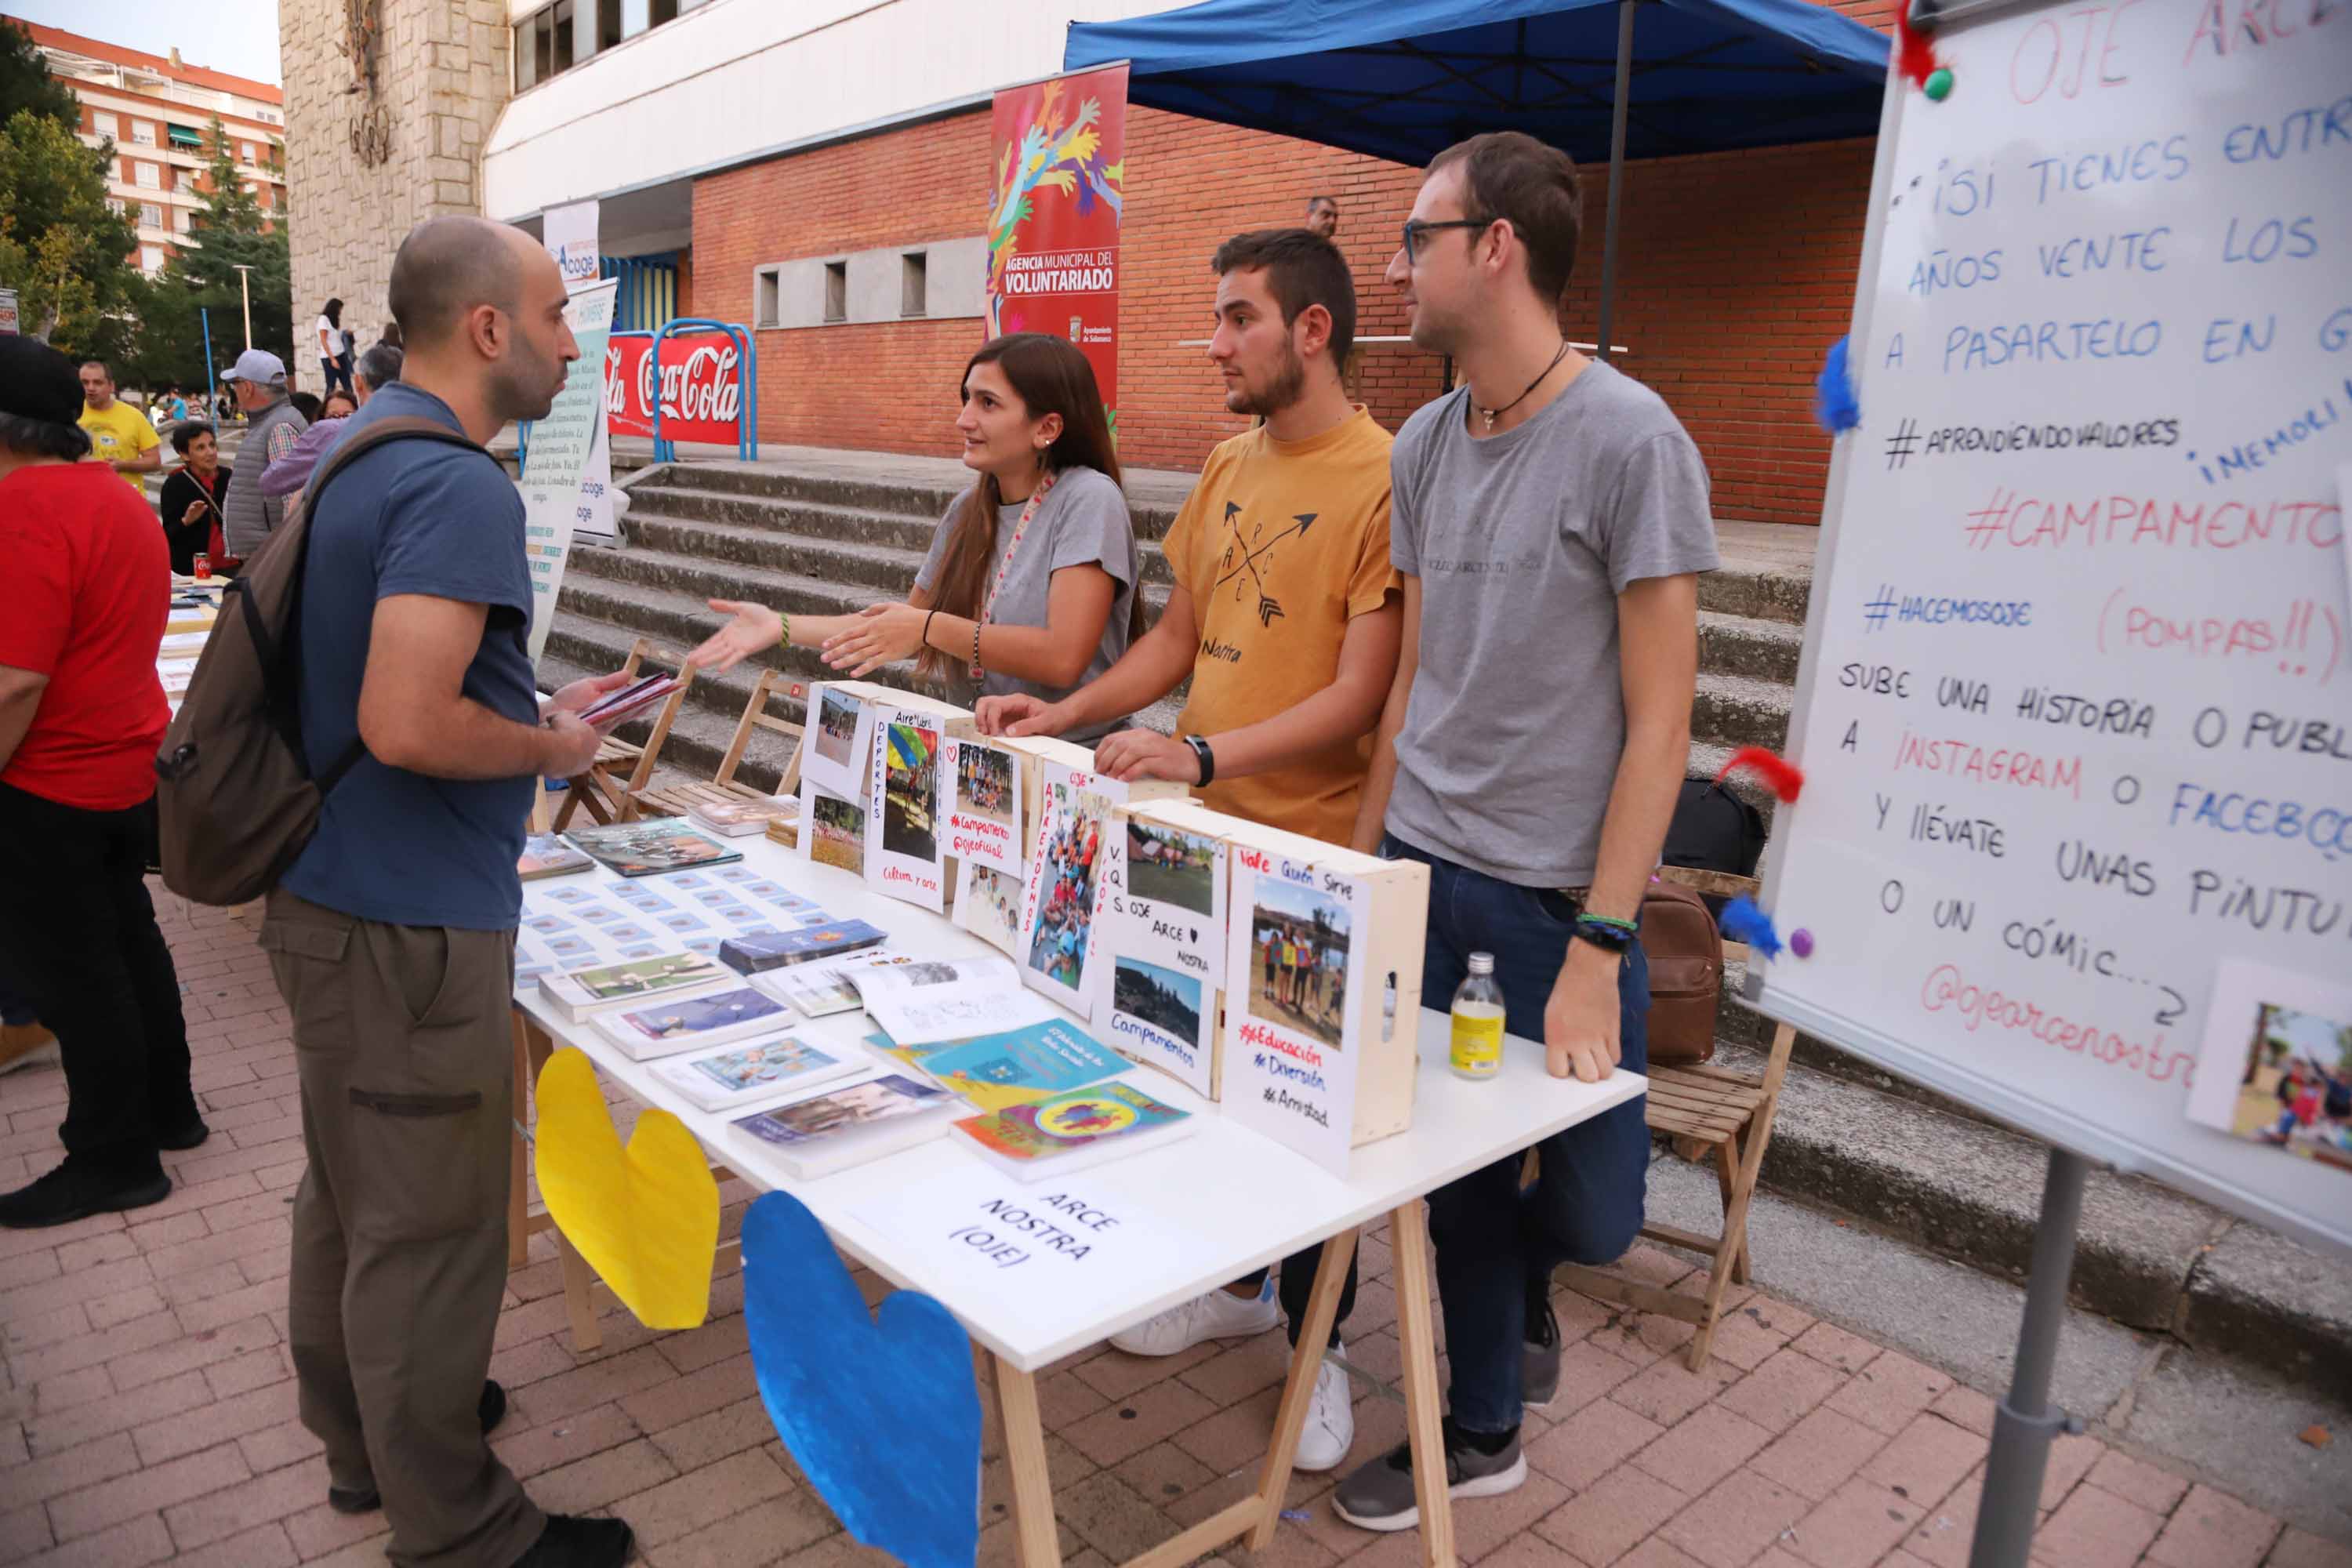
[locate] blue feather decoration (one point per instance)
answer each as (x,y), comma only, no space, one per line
(1835,404)
(1743,920)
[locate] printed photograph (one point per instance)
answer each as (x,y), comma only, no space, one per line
(1298,960)
(930,972)
(1068,850)
(700,1015)
(773,1061)
(672,973)
(1162,998)
(985,782)
(1169,866)
(840,838)
(911,795)
(877,1100)
(836,726)
(988,905)
(2296,1094)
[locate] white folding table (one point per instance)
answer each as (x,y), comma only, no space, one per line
(1226,1200)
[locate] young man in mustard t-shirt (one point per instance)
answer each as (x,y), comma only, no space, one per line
(1287,615)
(119,434)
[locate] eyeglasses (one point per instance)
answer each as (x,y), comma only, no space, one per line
(1414,230)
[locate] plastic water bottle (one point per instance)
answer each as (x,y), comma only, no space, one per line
(1478,1043)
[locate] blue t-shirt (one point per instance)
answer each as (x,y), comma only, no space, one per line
(414,517)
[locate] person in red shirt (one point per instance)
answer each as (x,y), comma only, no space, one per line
(81,712)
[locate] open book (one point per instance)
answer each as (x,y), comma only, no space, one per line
(932,1000)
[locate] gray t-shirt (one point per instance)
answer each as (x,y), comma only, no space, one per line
(1082,522)
(1522,542)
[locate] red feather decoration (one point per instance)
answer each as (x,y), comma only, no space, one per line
(1914,52)
(1784,777)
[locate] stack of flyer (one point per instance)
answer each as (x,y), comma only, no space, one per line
(737,1076)
(664,976)
(850,1125)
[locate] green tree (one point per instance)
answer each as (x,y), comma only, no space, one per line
(25,81)
(229,230)
(63,247)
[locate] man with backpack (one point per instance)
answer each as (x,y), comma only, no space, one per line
(391,933)
(81,711)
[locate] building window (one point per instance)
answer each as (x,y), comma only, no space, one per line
(608,24)
(836,291)
(767,302)
(142,131)
(146,177)
(102,123)
(542,43)
(562,12)
(245,152)
(150,215)
(914,269)
(558,36)
(151,259)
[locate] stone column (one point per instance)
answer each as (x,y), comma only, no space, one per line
(381,132)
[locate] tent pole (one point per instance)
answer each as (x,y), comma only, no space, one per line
(1616,174)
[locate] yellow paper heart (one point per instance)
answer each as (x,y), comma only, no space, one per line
(646,1218)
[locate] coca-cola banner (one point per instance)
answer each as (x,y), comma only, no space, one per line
(701,386)
(1053,228)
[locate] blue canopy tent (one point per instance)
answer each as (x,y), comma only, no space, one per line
(1405,78)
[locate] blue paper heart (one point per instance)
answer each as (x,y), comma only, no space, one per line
(879,1410)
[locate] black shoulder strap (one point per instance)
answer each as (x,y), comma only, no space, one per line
(366,438)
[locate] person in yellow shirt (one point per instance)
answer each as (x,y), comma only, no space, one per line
(1288,618)
(117,433)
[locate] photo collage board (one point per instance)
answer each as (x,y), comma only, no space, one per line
(1229,957)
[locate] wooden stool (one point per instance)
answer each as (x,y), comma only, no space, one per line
(604,789)
(675,800)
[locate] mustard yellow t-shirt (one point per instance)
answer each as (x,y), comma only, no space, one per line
(1280,545)
(119,434)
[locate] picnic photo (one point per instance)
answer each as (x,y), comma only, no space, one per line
(1169,866)
(1160,997)
(1067,848)
(836,726)
(2296,1094)
(985,782)
(840,833)
(911,791)
(1298,960)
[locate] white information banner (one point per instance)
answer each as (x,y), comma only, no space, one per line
(570,235)
(565,487)
(2074,702)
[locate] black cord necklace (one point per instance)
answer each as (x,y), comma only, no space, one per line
(1490,415)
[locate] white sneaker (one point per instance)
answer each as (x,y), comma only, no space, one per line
(1330,1422)
(1219,1315)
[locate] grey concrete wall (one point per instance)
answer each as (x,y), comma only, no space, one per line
(954,284)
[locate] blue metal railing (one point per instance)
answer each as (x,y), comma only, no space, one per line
(747,382)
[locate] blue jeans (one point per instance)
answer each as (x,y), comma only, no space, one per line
(1496,1244)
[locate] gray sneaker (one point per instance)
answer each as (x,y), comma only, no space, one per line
(1380,1495)
(1539,1358)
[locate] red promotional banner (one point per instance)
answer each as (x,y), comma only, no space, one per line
(701,386)
(1053,227)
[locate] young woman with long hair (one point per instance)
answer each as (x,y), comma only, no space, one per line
(1030,585)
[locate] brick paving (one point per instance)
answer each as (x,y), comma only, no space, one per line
(147,1408)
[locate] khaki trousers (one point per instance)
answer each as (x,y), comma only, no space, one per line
(401,1041)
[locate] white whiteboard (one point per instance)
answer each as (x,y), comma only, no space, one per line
(2103,342)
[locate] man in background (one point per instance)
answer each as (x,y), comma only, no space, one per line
(1323,216)
(119,434)
(272,426)
(284,479)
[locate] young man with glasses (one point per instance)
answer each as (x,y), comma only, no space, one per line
(1550,518)
(1284,615)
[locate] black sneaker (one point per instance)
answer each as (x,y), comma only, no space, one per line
(77,1190)
(1539,1356)
(1380,1495)
(367,1499)
(181,1134)
(571,1541)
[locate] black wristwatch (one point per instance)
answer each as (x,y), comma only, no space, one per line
(1207,758)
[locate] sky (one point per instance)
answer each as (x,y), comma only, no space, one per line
(239,37)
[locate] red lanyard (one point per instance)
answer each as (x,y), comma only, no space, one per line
(1044,483)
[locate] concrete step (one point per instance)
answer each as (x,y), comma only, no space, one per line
(682,519)
(917,495)
(1970,1189)
(1744,646)
(1737,710)
(1764,593)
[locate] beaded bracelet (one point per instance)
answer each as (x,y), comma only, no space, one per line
(1611,935)
(975,645)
